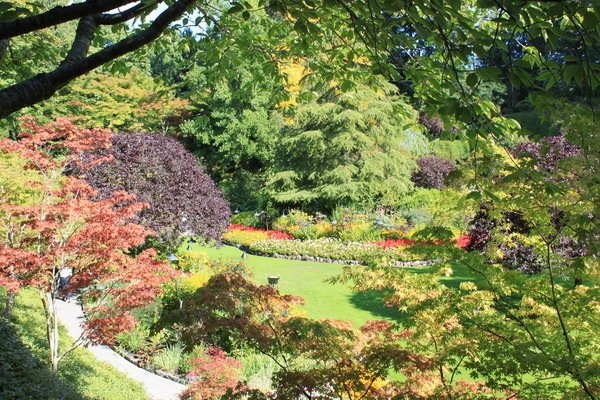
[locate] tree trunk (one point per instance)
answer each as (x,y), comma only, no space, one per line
(10,302)
(51,327)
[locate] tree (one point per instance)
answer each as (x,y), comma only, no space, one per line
(215,375)
(130,102)
(91,16)
(528,308)
(316,359)
(66,229)
(183,200)
(354,150)
(432,47)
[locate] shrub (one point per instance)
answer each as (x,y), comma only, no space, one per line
(161,172)
(362,252)
(520,257)
(433,124)
(191,261)
(246,218)
(169,358)
(453,150)
(549,152)
(215,373)
(134,340)
(432,172)
(186,364)
(182,287)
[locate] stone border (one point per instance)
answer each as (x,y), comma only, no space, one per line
(149,367)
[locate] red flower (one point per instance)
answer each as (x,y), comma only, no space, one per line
(394,243)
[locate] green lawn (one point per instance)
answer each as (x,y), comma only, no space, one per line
(307,279)
(24,371)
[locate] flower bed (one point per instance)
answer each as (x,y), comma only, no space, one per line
(246,235)
(331,250)
(281,244)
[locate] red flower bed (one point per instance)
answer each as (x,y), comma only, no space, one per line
(394,243)
(275,235)
(463,241)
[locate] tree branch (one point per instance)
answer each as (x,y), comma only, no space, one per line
(56,16)
(83,39)
(112,19)
(44,85)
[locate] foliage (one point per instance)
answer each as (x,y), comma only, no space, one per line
(246,218)
(160,171)
(131,102)
(134,340)
(531,313)
(434,126)
(191,261)
(169,359)
(18,184)
(432,172)
(25,370)
(183,287)
(453,150)
(444,208)
(331,249)
(548,152)
(344,152)
(68,229)
(327,356)
(215,375)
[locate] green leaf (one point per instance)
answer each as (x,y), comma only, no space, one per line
(472,79)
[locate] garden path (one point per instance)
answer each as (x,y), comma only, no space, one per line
(157,387)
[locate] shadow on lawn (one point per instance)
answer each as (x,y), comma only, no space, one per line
(372,301)
(23,376)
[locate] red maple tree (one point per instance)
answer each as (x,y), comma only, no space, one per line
(215,374)
(65,229)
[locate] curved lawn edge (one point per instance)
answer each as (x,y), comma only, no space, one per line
(157,387)
(246,249)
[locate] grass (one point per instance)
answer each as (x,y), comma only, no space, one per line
(322,299)
(24,370)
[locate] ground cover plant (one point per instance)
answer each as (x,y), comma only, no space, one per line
(25,370)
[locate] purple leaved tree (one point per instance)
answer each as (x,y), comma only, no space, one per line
(183,200)
(432,172)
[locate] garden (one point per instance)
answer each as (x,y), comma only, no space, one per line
(299,200)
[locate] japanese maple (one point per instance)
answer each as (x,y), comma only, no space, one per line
(315,358)
(67,229)
(214,375)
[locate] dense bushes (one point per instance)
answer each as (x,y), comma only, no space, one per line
(183,199)
(432,172)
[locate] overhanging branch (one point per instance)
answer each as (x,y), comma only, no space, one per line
(44,85)
(57,15)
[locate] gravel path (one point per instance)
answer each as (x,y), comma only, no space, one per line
(157,387)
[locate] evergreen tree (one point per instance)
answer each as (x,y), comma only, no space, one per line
(354,150)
